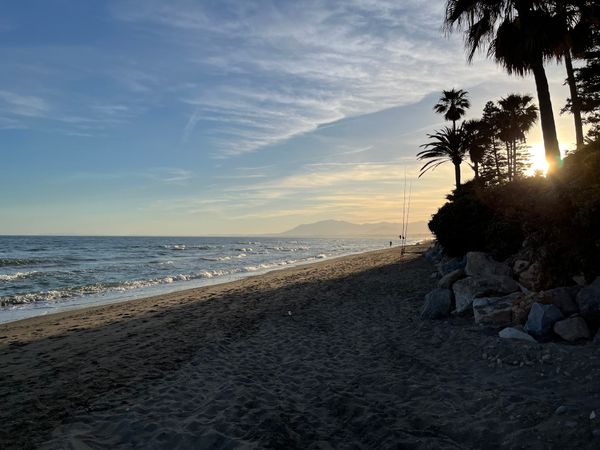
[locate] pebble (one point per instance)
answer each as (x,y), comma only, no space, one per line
(592,415)
(596,432)
(570,424)
(560,410)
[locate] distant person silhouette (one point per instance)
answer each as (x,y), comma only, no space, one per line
(390,243)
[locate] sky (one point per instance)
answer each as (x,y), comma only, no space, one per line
(202,117)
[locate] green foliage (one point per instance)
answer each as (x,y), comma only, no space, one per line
(558,218)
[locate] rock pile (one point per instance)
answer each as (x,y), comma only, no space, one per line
(502,296)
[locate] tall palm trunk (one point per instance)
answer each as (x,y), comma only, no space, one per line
(547,117)
(496,159)
(508,161)
(457,174)
(575,101)
(514,157)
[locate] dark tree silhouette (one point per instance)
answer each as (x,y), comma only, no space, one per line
(477,142)
(520,36)
(515,118)
(453,104)
(445,145)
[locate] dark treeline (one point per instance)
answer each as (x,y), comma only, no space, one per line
(495,144)
(554,221)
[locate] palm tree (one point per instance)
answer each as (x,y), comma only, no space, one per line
(577,19)
(453,105)
(446,145)
(521,37)
(476,141)
(516,117)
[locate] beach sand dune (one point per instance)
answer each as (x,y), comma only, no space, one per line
(330,355)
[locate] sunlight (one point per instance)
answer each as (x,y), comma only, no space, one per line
(537,159)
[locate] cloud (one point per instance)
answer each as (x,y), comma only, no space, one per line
(269,71)
(23,105)
(360,192)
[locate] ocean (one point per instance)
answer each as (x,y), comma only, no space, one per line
(45,274)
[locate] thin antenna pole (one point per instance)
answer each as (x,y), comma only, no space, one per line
(403,211)
(407,213)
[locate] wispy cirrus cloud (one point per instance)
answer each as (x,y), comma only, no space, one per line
(23,105)
(270,71)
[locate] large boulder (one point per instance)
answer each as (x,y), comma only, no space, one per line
(522,305)
(438,304)
(447,265)
(562,297)
(588,300)
(470,288)
(493,311)
(531,278)
(449,279)
(572,329)
(481,264)
(541,320)
(515,333)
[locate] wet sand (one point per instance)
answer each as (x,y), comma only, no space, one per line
(329,355)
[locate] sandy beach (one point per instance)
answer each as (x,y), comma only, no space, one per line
(328,355)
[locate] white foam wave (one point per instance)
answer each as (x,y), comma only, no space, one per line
(16,276)
(174,247)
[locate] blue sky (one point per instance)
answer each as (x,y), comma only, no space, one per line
(226,117)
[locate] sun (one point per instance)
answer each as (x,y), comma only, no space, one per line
(537,159)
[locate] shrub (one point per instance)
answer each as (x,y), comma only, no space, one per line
(558,218)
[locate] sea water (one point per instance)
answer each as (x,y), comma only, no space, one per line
(42,274)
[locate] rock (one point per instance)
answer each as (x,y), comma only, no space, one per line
(449,279)
(541,320)
(520,265)
(521,307)
(561,409)
(493,311)
(531,278)
(481,264)
(596,340)
(448,265)
(579,279)
(470,288)
(515,333)
(562,297)
(434,253)
(572,329)
(588,300)
(438,304)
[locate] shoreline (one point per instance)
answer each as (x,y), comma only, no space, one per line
(191,291)
(45,308)
(328,355)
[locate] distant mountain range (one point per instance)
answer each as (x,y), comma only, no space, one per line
(340,228)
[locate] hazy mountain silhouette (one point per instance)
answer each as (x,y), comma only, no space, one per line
(340,228)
